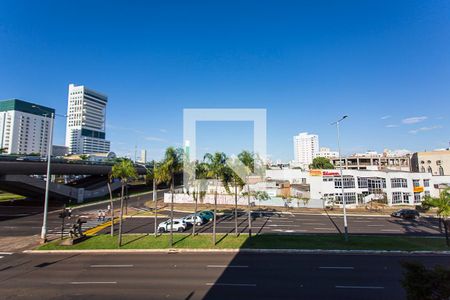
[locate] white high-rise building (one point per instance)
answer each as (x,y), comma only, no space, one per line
(306,147)
(86,119)
(143,158)
(24,127)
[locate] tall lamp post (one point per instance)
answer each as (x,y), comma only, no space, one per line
(344,202)
(47,183)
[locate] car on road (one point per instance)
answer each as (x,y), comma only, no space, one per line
(178,225)
(207,215)
(406,214)
(194,218)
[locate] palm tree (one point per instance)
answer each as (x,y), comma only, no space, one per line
(172,164)
(216,163)
(111,205)
(201,170)
(124,171)
(248,160)
(443,209)
(238,182)
(158,175)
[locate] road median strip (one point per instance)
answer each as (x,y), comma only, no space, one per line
(258,243)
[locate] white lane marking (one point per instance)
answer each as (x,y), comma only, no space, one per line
(362,221)
(391,230)
(338,268)
(281,225)
(359,287)
(14,215)
(112,266)
(93,282)
(6,253)
(314,224)
(1,257)
(321,228)
(230,284)
(225,266)
(375,225)
(283,230)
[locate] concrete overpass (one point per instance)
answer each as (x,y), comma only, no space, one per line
(25,178)
(58,167)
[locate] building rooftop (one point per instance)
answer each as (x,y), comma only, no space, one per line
(26,107)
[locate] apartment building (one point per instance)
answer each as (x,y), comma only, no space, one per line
(24,127)
(306,147)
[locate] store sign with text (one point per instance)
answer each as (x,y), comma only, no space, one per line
(323,173)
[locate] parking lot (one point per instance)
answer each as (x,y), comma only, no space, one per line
(296,223)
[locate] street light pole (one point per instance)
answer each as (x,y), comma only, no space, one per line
(47,183)
(344,202)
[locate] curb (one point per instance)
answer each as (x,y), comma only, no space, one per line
(262,251)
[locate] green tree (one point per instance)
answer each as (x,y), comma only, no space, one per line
(3,150)
(172,165)
(442,205)
(201,172)
(238,183)
(157,174)
(216,169)
(321,163)
(421,283)
(124,171)
(248,160)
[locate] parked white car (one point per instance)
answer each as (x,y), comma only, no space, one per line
(178,225)
(191,219)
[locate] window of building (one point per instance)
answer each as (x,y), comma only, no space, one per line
(416,182)
(396,197)
(350,198)
(399,183)
(426,182)
(349,182)
(406,198)
(422,169)
(441,171)
(362,182)
(430,170)
(417,198)
(427,193)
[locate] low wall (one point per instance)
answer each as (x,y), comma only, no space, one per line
(229,200)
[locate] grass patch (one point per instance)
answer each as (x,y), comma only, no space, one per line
(9,197)
(204,241)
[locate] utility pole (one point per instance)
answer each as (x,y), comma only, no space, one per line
(344,201)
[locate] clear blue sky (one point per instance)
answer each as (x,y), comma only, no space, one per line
(386,64)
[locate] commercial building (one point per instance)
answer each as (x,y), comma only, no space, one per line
(306,147)
(437,163)
(374,161)
(363,186)
(86,119)
(24,127)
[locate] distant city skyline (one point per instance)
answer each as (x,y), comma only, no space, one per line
(384,64)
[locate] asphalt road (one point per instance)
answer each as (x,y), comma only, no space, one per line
(26,220)
(301,223)
(204,276)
